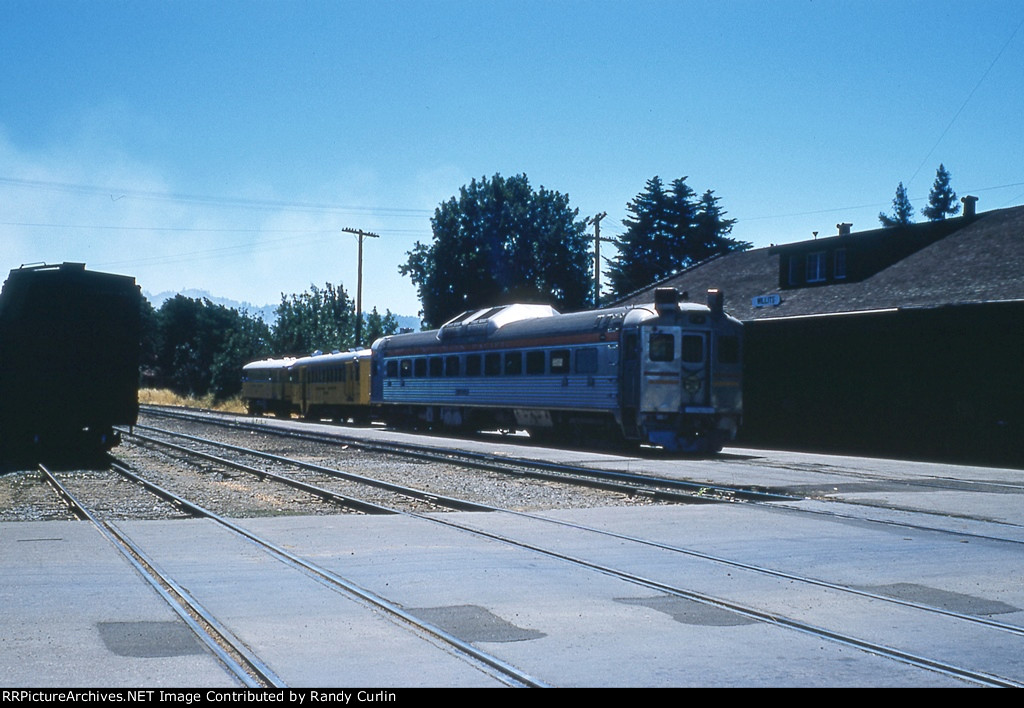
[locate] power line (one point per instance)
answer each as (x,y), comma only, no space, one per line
(211,200)
(966,101)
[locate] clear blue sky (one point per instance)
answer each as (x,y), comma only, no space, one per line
(224,145)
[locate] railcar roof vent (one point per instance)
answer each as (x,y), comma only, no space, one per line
(716,302)
(484,322)
(666,300)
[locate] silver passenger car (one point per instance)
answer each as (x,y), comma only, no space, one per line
(667,374)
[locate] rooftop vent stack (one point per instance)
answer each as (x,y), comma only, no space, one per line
(716,302)
(666,300)
(970,206)
(844,228)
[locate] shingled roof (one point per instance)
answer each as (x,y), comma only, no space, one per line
(963,260)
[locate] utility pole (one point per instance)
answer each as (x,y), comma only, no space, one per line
(596,221)
(359,282)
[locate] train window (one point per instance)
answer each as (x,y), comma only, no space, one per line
(586,360)
(728,349)
(560,361)
(406,368)
(473,365)
(436,367)
(451,366)
(513,363)
(492,364)
(419,368)
(535,362)
(392,369)
(661,346)
(693,348)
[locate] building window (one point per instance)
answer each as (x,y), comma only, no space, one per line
(816,267)
(794,270)
(840,264)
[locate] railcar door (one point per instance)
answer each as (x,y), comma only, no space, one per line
(629,380)
(693,360)
(674,370)
(660,390)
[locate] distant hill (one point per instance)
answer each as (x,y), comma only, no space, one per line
(264,312)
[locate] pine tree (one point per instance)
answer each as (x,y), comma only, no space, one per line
(942,198)
(639,261)
(712,229)
(666,232)
(902,211)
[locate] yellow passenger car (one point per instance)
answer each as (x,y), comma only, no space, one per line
(335,386)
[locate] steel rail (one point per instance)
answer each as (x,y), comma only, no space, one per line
(420,495)
(505,671)
(746,611)
(475,506)
(252,672)
(610,480)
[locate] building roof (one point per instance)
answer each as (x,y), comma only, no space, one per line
(962,260)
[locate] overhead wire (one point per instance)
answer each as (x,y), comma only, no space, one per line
(212,200)
(966,101)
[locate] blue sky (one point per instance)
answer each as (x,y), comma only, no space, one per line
(225,145)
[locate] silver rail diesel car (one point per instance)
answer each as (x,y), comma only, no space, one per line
(667,374)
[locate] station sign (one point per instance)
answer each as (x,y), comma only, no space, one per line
(767,300)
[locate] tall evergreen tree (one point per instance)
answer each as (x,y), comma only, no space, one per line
(641,259)
(942,198)
(711,230)
(498,242)
(902,211)
(667,231)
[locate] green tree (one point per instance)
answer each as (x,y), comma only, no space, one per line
(942,198)
(499,242)
(317,319)
(641,258)
(902,211)
(667,230)
(711,231)
(376,325)
(201,347)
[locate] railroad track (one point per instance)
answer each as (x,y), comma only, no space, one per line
(767,615)
(659,489)
(243,664)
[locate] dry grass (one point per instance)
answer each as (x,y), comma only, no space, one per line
(163,397)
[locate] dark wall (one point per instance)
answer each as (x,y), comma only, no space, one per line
(944,383)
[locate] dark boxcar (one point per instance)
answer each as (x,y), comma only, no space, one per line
(69,357)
